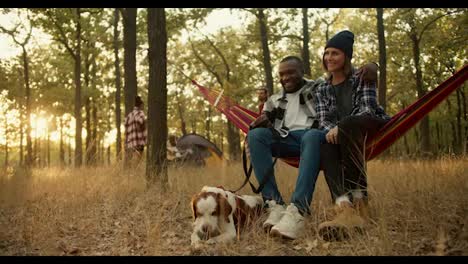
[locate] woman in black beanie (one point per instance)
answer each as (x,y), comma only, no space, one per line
(349,113)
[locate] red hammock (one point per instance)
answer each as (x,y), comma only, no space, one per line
(393,130)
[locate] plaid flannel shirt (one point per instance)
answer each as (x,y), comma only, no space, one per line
(276,105)
(364,100)
(135,130)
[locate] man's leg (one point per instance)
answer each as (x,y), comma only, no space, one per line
(260,144)
(309,167)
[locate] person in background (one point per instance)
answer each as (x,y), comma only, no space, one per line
(347,108)
(135,133)
(262,96)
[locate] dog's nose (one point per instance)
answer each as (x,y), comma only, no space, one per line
(205,229)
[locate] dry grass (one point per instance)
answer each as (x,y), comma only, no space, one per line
(417,207)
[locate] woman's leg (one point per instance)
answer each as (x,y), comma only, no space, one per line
(352,136)
(330,159)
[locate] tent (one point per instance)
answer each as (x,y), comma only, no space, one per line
(196,150)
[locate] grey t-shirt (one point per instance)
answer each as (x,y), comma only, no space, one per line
(344,104)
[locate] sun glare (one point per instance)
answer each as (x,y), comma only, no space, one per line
(39,126)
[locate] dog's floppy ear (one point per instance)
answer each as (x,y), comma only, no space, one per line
(192,205)
(225,208)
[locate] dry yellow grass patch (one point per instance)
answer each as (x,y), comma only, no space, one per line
(417,208)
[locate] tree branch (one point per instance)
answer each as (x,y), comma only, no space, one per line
(63,38)
(223,58)
(207,66)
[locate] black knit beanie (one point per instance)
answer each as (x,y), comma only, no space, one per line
(344,41)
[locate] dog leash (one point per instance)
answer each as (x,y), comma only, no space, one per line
(248,173)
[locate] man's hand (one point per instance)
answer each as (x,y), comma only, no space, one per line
(368,72)
(332,135)
(261,121)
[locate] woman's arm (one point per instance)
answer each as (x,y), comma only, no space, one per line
(322,108)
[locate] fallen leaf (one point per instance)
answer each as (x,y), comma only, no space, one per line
(74,251)
(326,245)
(297,248)
(311,245)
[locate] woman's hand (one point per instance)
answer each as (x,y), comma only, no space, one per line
(332,135)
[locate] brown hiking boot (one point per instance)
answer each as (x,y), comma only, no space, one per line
(346,222)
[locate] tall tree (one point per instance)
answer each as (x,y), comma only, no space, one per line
(14,33)
(305,42)
(382,59)
(129,16)
(61,30)
(118,85)
(262,20)
(157,97)
(415,34)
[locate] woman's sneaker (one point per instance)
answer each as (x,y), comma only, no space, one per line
(275,213)
(290,225)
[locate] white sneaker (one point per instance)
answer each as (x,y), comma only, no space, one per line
(290,225)
(275,213)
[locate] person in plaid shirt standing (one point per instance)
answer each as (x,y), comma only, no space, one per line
(135,131)
(348,112)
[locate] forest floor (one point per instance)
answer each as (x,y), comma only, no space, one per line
(417,208)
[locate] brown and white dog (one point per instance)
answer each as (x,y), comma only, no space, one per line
(219,215)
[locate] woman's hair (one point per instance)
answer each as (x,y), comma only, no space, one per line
(347,67)
(138,101)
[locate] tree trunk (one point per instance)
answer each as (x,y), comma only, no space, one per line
(157,98)
(5,124)
(234,142)
(48,148)
(305,43)
(465,117)
(180,110)
(439,143)
(130,76)
(118,114)
(459,124)
(87,125)
(21,128)
(29,151)
(94,137)
(266,50)
(61,147)
(35,156)
(69,152)
(78,127)
(424,126)
(453,126)
(382,59)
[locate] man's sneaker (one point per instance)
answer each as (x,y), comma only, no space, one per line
(275,213)
(346,222)
(290,225)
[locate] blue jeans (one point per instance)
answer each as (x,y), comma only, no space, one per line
(304,143)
